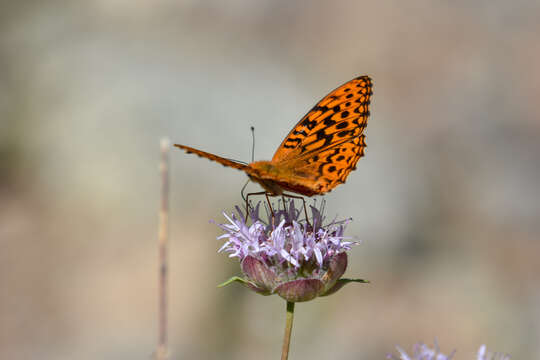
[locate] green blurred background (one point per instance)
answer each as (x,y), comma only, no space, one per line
(446,201)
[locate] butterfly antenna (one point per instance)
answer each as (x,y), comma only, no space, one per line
(252,159)
(252,144)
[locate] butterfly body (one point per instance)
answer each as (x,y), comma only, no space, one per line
(320,151)
(276,179)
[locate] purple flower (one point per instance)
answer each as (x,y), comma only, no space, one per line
(286,255)
(483,354)
(423,352)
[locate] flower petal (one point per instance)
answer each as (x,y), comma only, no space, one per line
(259,273)
(300,290)
(336,269)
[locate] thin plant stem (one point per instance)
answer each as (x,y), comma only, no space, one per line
(288,330)
(163,234)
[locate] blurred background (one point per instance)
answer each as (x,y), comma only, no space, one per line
(446,200)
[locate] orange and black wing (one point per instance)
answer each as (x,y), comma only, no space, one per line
(219,159)
(339,117)
(325,145)
(328,168)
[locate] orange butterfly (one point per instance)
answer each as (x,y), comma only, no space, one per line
(320,151)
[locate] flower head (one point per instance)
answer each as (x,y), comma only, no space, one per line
(483,354)
(283,254)
(424,352)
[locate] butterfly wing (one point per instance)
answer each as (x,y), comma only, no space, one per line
(313,174)
(325,145)
(326,169)
(339,115)
(219,159)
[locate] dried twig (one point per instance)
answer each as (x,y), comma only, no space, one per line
(163,234)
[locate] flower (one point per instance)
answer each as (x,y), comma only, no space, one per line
(297,259)
(483,354)
(423,352)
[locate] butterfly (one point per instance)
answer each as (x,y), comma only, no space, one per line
(320,151)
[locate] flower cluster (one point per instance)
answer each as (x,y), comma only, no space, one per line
(424,352)
(483,354)
(295,258)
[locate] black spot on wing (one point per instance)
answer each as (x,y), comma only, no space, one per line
(328,121)
(342,134)
(342,125)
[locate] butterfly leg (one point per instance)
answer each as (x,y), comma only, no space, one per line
(303,202)
(271,210)
(267,200)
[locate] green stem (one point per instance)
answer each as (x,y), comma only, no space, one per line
(288,330)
